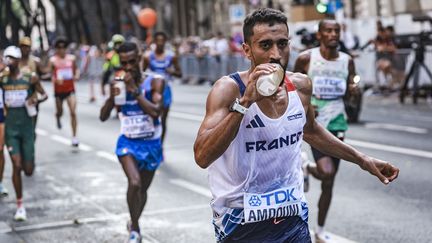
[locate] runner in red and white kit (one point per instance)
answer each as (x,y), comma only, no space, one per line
(64,73)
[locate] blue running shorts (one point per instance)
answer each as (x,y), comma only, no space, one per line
(147,153)
(2,117)
(167,96)
(280,230)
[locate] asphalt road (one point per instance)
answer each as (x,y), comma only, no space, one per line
(78,195)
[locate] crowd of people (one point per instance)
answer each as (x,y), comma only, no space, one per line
(250,142)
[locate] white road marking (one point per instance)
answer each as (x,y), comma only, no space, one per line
(41,132)
(388,148)
(192,187)
(110,217)
(109,156)
(395,127)
(335,238)
(65,141)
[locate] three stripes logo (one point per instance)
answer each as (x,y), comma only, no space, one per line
(255,122)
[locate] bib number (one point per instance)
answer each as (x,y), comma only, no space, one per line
(64,74)
(284,202)
(15,98)
(139,126)
(329,88)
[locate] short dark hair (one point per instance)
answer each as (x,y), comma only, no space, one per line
(60,40)
(127,47)
(259,16)
(324,21)
(160,33)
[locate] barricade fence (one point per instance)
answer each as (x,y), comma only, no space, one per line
(209,69)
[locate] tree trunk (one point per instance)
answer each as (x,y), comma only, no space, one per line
(66,24)
(115,17)
(102,20)
(84,23)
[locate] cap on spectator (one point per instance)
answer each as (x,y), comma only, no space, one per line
(25,41)
(12,51)
(117,38)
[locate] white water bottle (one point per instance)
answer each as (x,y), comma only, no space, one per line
(268,84)
(120,99)
(31,109)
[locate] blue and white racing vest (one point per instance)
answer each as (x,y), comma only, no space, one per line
(135,123)
(259,176)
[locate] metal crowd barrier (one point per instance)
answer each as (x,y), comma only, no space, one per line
(209,68)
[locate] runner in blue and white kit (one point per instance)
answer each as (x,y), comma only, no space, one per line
(166,64)
(251,144)
(139,147)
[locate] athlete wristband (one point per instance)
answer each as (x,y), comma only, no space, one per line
(237,107)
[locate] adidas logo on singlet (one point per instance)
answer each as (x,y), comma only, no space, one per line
(256,122)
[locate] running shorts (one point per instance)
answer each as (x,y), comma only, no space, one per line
(318,155)
(2,118)
(147,153)
(289,229)
(63,96)
(167,96)
(19,134)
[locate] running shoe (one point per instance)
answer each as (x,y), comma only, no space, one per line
(3,191)
(134,237)
(323,238)
(75,142)
(305,164)
(20,214)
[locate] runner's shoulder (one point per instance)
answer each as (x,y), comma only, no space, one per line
(301,81)
(225,89)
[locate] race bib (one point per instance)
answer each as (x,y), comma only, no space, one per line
(139,126)
(15,98)
(64,74)
(284,202)
(329,88)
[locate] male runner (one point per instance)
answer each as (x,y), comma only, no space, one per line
(252,144)
(165,64)
(139,147)
(4,71)
(30,65)
(332,73)
(19,126)
(64,73)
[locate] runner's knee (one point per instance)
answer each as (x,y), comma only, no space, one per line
(135,184)
(28,170)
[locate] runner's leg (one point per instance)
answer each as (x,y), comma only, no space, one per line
(325,171)
(164,116)
(2,159)
(146,179)
(16,174)
(59,111)
(71,102)
(134,189)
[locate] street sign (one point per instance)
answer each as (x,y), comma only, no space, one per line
(237,12)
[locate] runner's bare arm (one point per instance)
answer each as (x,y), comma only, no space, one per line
(154,107)
(109,104)
(177,71)
(321,139)
(302,63)
(219,126)
(145,62)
